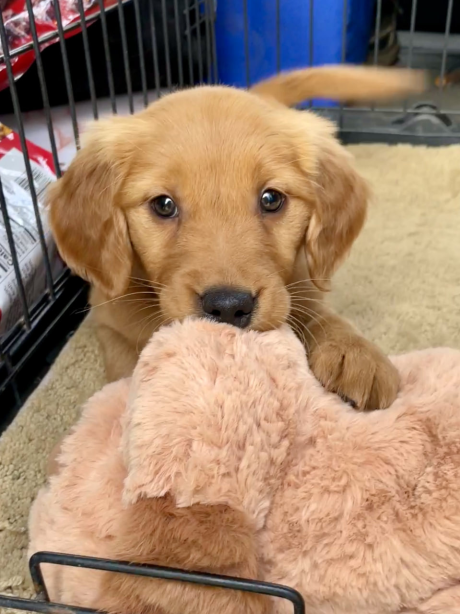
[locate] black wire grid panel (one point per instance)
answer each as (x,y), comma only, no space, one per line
(148,47)
(143,48)
(44,605)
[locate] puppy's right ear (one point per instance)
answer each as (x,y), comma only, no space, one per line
(89,228)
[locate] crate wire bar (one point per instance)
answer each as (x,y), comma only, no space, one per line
(42,603)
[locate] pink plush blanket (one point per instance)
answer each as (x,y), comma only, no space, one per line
(224,454)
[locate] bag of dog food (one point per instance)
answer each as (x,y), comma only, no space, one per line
(24,227)
(18,34)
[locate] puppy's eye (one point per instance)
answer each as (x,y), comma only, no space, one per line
(271,201)
(164,206)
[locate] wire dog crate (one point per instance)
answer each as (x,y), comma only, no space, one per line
(117,56)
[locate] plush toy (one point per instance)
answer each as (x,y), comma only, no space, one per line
(224,454)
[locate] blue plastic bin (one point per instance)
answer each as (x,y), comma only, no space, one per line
(295,50)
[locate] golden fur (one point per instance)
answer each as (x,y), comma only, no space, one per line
(213,149)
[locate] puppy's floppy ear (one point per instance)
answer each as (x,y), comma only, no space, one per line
(341,197)
(90,230)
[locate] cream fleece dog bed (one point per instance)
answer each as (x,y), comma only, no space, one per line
(400,287)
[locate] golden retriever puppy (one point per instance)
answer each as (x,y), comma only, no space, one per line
(227,204)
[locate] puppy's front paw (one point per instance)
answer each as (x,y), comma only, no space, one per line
(357,371)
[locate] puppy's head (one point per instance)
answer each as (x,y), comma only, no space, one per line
(217,193)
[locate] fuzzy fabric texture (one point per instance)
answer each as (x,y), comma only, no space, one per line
(400,286)
(360,512)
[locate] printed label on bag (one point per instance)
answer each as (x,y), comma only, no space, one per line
(24,218)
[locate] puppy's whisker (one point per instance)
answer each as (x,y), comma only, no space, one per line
(275,273)
(306,329)
(300,295)
(150,322)
(311,316)
(299,328)
(120,298)
(148,281)
(307,281)
(150,318)
(301,301)
(302,308)
(150,306)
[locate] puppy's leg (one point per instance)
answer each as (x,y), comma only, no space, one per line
(120,357)
(346,363)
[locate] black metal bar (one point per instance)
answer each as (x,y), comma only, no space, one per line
(14,257)
(411,38)
(344,50)
(278,36)
(198,40)
(413,14)
(25,153)
(26,356)
(177,24)
(310,40)
(207,15)
(140,47)
(87,53)
(387,110)
(164,16)
(45,607)
(9,340)
(350,137)
(10,369)
(446,44)
(107,54)
(68,80)
(43,87)
(156,69)
(166,573)
(213,41)
(38,580)
(378,22)
(188,34)
(124,45)
(246,42)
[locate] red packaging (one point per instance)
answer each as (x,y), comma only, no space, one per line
(23,224)
(17,27)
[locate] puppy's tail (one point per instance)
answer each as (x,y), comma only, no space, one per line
(342,83)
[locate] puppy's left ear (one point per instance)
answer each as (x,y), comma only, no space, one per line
(89,227)
(341,197)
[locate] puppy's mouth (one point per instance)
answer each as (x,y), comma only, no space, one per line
(229,305)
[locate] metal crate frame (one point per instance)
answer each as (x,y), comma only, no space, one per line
(44,605)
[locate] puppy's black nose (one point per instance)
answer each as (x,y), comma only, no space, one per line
(228,305)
